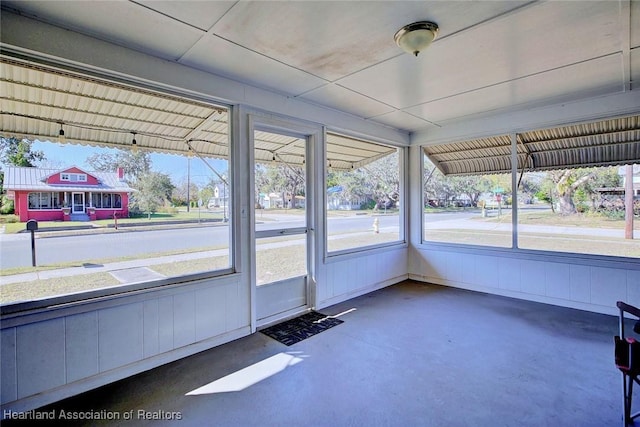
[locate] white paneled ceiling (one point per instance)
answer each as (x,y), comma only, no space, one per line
(490,56)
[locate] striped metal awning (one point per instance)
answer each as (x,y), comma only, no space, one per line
(346,153)
(39,100)
(613,141)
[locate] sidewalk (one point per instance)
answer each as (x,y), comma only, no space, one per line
(528,228)
(89,268)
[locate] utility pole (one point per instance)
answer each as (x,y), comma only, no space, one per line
(224,198)
(628,202)
(188,182)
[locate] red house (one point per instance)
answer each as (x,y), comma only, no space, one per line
(66,195)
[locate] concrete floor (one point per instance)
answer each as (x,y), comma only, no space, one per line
(408,355)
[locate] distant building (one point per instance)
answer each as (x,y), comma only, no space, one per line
(220,197)
(270,201)
(336,200)
(622,172)
(70,194)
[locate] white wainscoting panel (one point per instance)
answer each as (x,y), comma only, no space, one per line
(184,319)
(81,345)
(151,332)
(633,287)
(563,281)
(119,336)
(580,283)
(40,353)
(8,370)
(608,285)
(54,354)
(361,273)
(508,274)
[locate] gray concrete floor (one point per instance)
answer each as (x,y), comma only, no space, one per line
(408,355)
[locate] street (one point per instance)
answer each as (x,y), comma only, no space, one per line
(15,250)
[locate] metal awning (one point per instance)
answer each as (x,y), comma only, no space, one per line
(346,153)
(38,101)
(607,142)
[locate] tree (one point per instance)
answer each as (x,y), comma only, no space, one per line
(179,195)
(353,183)
(261,183)
(293,179)
(133,164)
(205,194)
(443,188)
(382,180)
(16,152)
(153,190)
(285,179)
(588,194)
(471,186)
(566,182)
(530,185)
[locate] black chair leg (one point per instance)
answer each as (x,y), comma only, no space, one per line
(627,400)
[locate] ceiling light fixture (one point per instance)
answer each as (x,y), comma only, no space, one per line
(416,37)
(134,144)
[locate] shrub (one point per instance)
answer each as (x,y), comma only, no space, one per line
(582,208)
(7,206)
(368,205)
(168,209)
(9,219)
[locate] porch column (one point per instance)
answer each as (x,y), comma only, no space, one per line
(66,209)
(91,211)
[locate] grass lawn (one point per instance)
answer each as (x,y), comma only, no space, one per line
(15,227)
(271,266)
(576,220)
(38,289)
(179,268)
(21,270)
(540,241)
(164,218)
(285,256)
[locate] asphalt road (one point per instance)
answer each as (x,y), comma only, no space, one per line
(15,250)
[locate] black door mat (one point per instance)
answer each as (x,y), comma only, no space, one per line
(301,328)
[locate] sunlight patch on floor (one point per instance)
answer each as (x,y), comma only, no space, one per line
(248,376)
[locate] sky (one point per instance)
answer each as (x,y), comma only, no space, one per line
(64,155)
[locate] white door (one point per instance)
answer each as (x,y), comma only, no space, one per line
(281,226)
(77,205)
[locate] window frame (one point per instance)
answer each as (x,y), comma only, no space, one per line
(95,197)
(14,309)
(53,200)
(342,254)
(73,177)
(514,251)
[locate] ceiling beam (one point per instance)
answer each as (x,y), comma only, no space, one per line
(590,109)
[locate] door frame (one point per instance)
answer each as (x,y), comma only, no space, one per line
(73,203)
(314,135)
